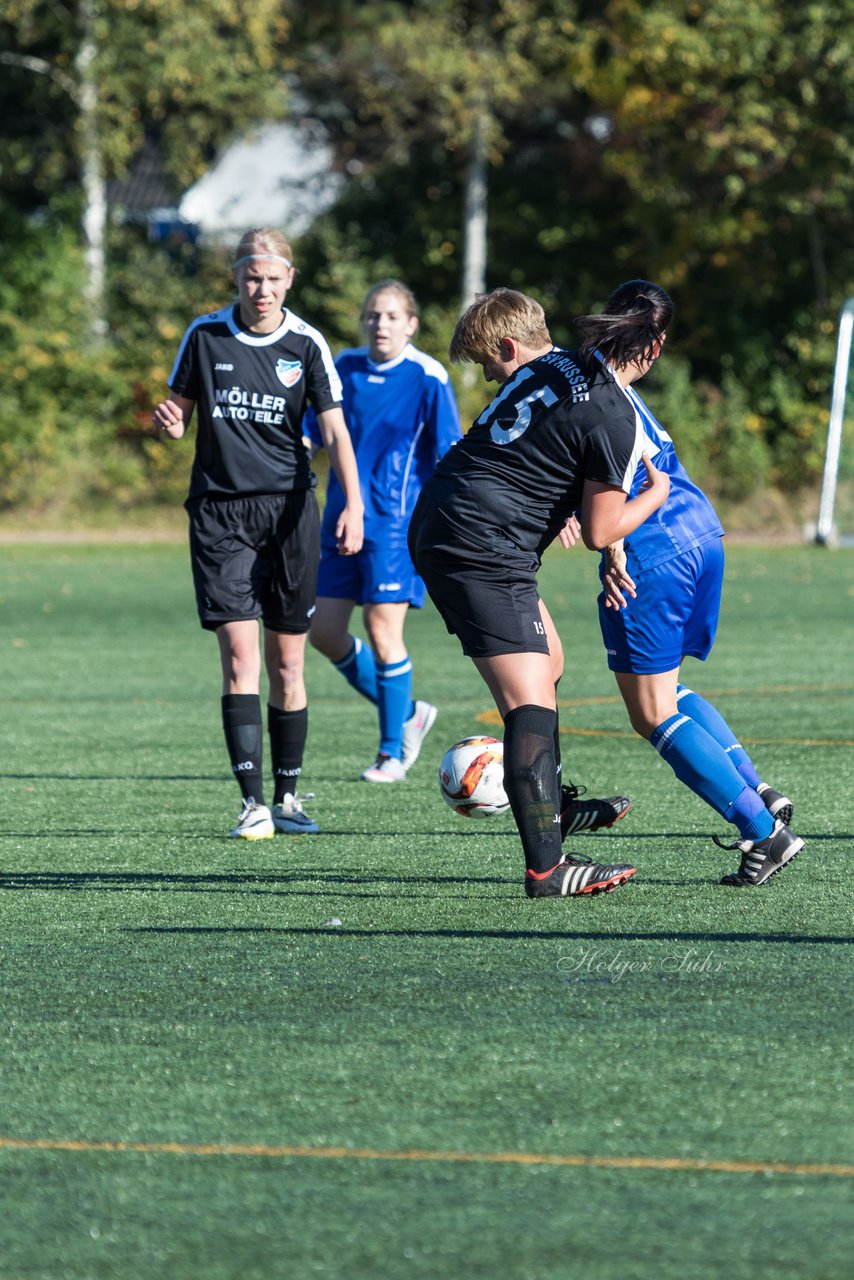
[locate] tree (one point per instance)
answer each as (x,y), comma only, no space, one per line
(705,145)
(732,117)
(732,137)
(441,72)
(88,80)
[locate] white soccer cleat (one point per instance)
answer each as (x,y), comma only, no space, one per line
(254,823)
(384,769)
(415,730)
(290,818)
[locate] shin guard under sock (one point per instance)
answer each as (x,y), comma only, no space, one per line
(241,723)
(531,783)
(558,764)
(288,731)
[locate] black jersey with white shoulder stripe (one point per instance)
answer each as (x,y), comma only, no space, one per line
(251,391)
(513,479)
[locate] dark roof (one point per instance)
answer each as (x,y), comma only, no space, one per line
(146,186)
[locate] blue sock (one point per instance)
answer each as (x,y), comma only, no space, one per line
(394,698)
(360,670)
(752,823)
(713,722)
(703,765)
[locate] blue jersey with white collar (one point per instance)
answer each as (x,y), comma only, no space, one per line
(402,417)
(686,520)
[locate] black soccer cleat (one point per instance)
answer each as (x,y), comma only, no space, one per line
(588,815)
(762,859)
(778,805)
(574,876)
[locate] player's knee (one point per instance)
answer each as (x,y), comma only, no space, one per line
(241,667)
(285,679)
(386,638)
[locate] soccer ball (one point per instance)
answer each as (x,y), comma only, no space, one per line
(471,778)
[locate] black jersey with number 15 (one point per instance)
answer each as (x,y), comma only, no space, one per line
(519,471)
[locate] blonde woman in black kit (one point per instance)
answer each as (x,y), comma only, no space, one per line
(250,370)
(558,437)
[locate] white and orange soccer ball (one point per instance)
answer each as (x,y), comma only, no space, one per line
(471,778)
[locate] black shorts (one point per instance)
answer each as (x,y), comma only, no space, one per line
(256,558)
(490,603)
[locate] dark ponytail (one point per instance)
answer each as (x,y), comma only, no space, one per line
(635,316)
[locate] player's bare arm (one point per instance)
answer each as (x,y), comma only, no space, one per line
(606,516)
(172,417)
(349,530)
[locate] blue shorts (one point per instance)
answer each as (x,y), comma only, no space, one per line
(674,616)
(381,573)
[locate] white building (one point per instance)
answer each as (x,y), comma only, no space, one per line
(278,175)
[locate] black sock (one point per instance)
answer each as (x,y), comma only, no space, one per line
(243,728)
(558,766)
(531,783)
(288,732)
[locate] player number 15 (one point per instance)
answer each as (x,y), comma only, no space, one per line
(504,435)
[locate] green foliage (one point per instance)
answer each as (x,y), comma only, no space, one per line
(189,75)
(75,432)
(718,438)
(705,146)
(738,457)
(336,267)
(192,75)
(60,399)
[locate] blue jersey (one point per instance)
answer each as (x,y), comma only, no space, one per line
(686,520)
(402,418)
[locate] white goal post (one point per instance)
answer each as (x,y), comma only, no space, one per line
(825,533)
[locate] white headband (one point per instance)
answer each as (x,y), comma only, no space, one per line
(277,257)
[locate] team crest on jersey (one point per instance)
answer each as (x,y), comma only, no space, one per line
(289,372)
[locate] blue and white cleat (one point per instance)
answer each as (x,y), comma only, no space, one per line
(290,818)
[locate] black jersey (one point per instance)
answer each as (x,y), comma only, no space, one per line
(251,391)
(511,482)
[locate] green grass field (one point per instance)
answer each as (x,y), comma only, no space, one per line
(202,1077)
